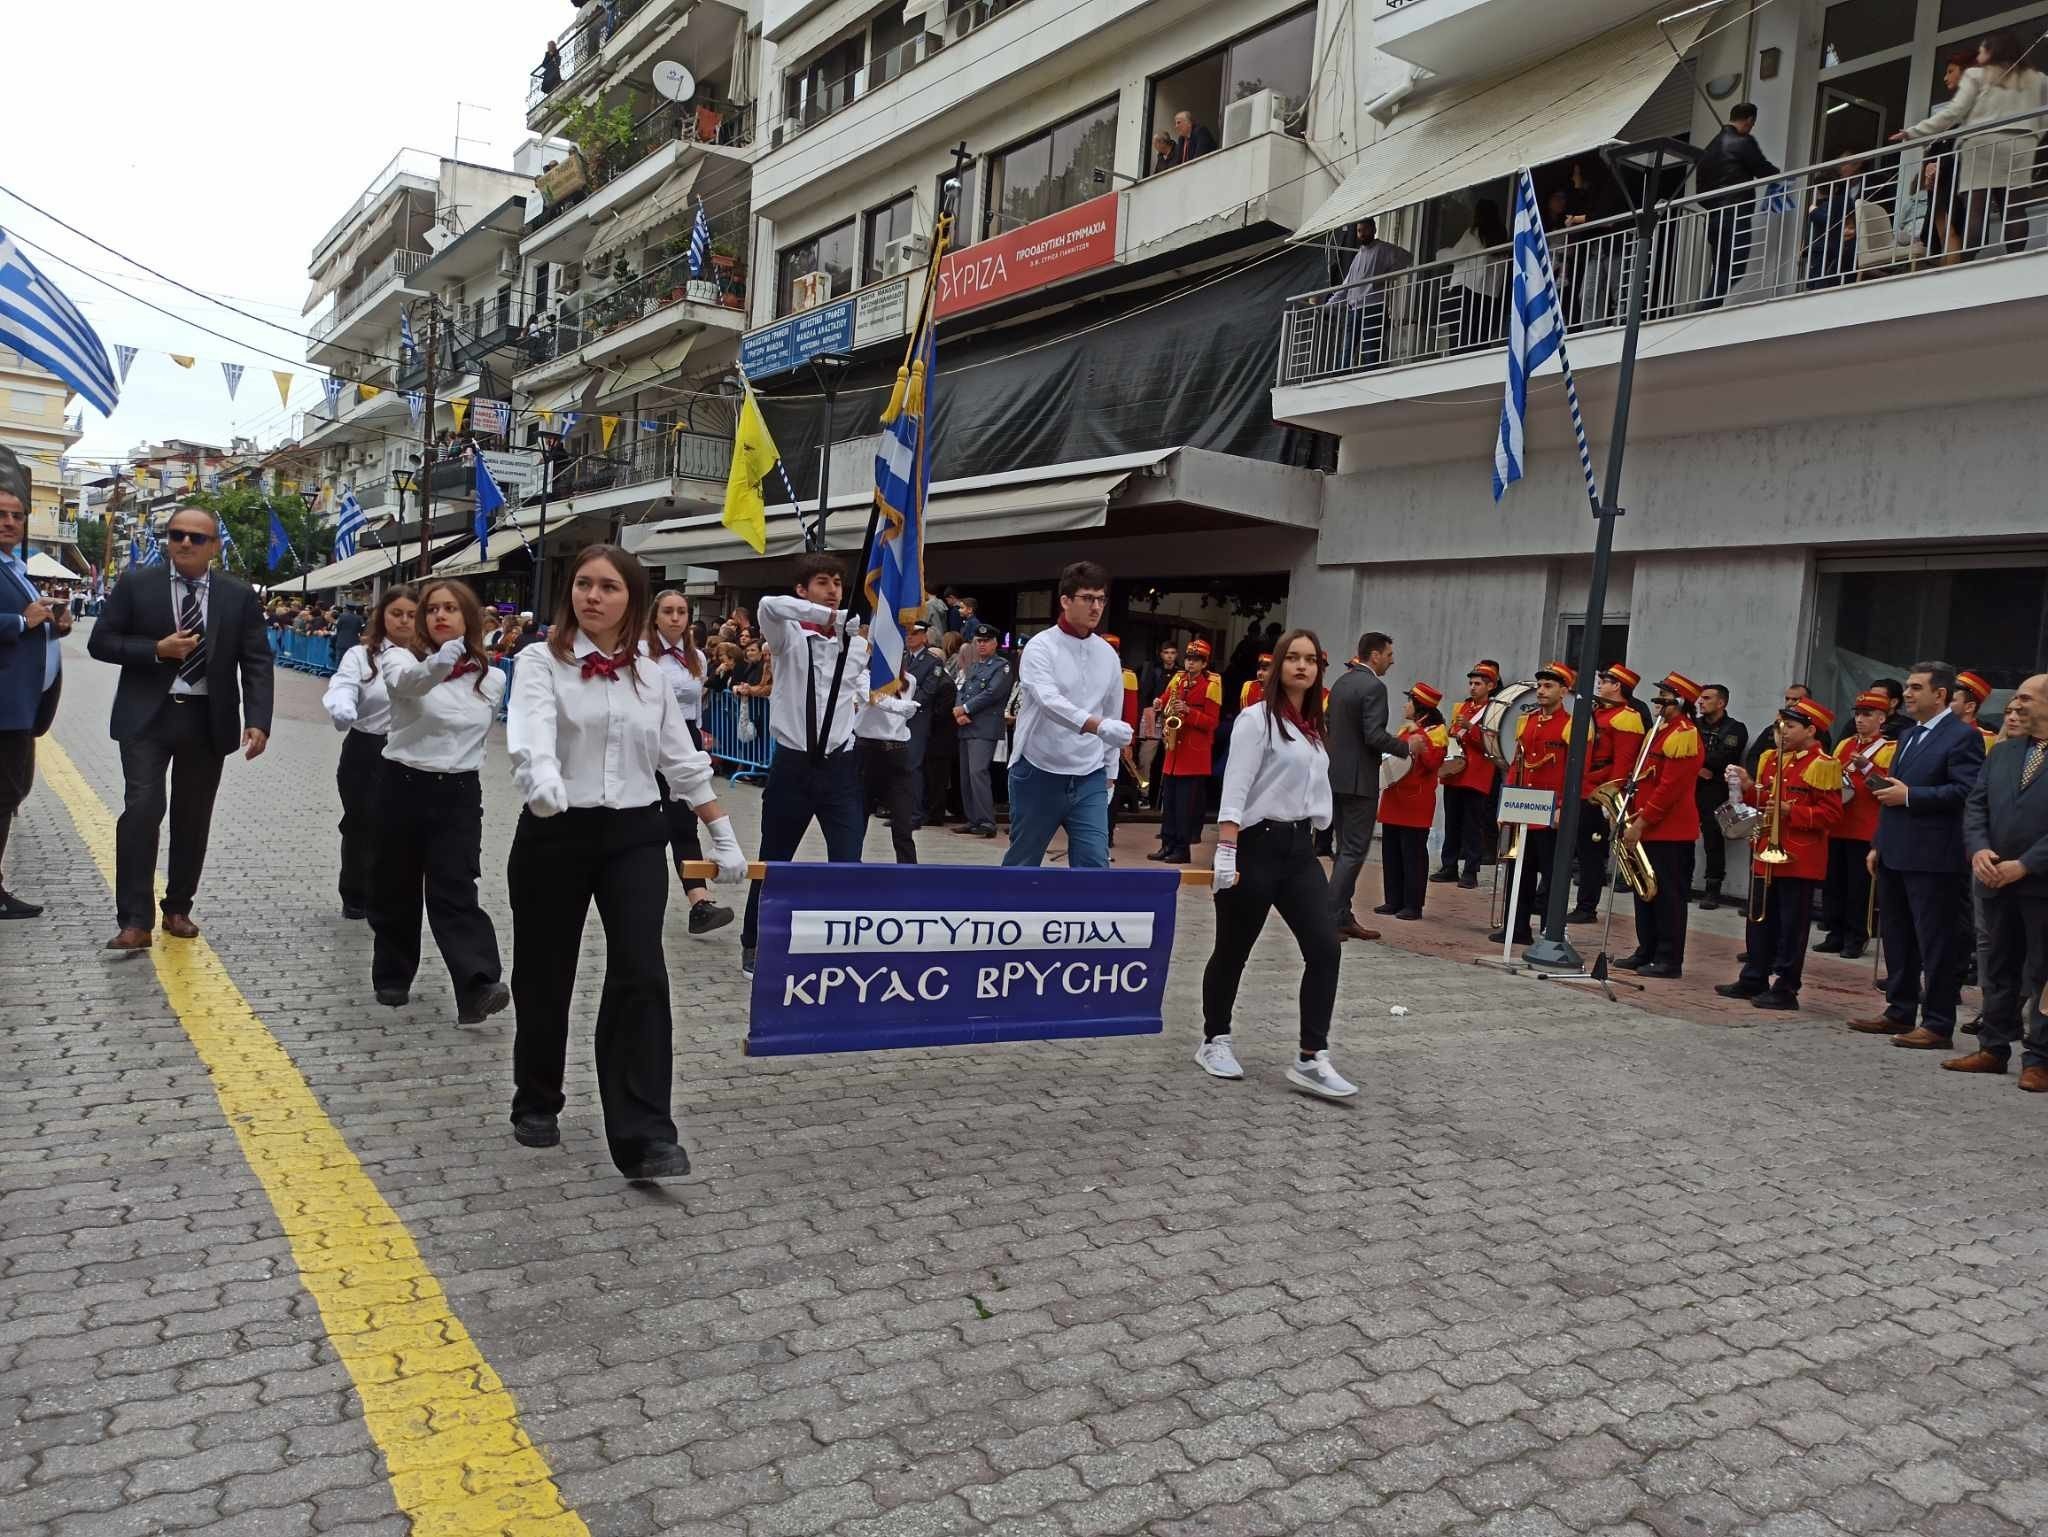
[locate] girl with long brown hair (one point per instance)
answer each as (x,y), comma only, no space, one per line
(682,666)
(1276,796)
(444,696)
(595,733)
(358,705)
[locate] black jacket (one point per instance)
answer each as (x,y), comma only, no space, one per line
(239,678)
(2012,823)
(1733,158)
(1723,744)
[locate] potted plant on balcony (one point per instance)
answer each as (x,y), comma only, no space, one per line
(602,138)
(723,255)
(734,291)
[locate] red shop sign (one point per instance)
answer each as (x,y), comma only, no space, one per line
(1044,251)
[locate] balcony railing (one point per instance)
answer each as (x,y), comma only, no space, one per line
(660,455)
(579,47)
(1887,214)
(729,127)
(583,318)
(836,96)
(398,264)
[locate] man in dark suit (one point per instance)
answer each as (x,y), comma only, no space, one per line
(30,679)
(1357,736)
(194,661)
(1917,860)
(2005,830)
(1191,140)
(923,668)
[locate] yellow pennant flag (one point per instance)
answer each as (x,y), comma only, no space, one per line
(284,386)
(182,362)
(753,460)
(367,391)
(547,418)
(461,409)
(610,424)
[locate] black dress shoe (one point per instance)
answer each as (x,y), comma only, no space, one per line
(1662,969)
(1740,990)
(661,1160)
(1774,1000)
(1159,856)
(12,906)
(1583,915)
(536,1130)
(353,913)
(1850,952)
(1386,910)
(486,1003)
(1409,914)
(1469,882)
(1500,936)
(1442,877)
(1629,963)
(1974,1027)
(393,997)
(1830,944)
(708,916)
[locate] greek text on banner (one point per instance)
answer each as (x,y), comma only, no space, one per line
(822,931)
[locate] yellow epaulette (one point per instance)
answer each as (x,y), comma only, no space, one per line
(1130,679)
(1244,696)
(1627,720)
(1438,737)
(1215,689)
(1683,741)
(1824,773)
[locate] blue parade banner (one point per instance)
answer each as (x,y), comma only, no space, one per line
(882,957)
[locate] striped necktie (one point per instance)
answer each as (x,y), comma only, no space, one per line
(192,620)
(2037,752)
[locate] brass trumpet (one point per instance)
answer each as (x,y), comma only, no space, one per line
(1772,853)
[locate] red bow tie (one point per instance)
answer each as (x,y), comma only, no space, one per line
(598,665)
(463,669)
(675,651)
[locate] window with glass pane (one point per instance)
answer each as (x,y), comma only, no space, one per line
(1967,13)
(892,221)
(889,53)
(1991,619)
(1055,170)
(965,230)
(830,252)
(1276,59)
(1856,28)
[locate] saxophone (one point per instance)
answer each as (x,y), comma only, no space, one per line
(1176,712)
(1617,802)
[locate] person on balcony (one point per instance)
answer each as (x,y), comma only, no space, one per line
(1733,160)
(1191,139)
(550,68)
(1361,331)
(1162,154)
(1474,299)
(2001,86)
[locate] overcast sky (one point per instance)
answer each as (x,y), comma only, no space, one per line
(216,143)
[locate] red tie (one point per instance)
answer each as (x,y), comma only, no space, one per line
(598,665)
(462,669)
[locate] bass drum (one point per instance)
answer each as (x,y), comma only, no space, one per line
(1497,721)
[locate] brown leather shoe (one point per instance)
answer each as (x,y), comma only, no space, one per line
(1353,929)
(1979,1061)
(1920,1038)
(1883,1024)
(178,926)
(131,939)
(2034,1079)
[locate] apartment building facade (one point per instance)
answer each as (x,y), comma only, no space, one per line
(34,423)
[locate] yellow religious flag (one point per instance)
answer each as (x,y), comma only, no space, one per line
(182,362)
(547,418)
(610,425)
(753,460)
(461,409)
(367,391)
(284,386)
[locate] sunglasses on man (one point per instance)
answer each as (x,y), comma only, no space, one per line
(187,536)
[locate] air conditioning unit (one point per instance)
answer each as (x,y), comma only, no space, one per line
(1260,112)
(508,264)
(811,289)
(906,253)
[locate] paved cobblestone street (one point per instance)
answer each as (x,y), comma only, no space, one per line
(1563,1267)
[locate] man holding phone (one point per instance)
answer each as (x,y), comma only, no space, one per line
(194,664)
(30,680)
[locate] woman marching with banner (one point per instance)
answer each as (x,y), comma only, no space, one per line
(357,702)
(674,651)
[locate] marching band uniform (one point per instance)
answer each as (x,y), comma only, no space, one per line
(587,736)
(357,703)
(1253,689)
(1125,793)
(1845,898)
(1186,767)
(1543,741)
(1408,810)
(1468,794)
(1670,813)
(1610,757)
(430,824)
(1810,807)
(1979,690)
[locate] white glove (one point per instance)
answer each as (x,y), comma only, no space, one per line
(453,651)
(1225,867)
(1115,733)
(550,798)
(343,714)
(725,852)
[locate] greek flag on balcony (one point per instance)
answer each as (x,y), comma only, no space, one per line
(346,532)
(488,500)
(330,387)
(700,241)
(37,321)
(903,473)
(409,353)
(1535,332)
(416,403)
(1778,198)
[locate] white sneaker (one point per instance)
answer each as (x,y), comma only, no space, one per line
(1317,1077)
(1217,1059)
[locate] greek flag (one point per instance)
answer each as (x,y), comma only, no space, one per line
(405,342)
(228,548)
(1535,332)
(349,529)
(143,550)
(38,322)
(700,242)
(903,474)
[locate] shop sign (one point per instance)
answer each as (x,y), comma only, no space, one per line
(878,313)
(1048,250)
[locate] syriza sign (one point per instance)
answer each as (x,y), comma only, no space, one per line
(1076,240)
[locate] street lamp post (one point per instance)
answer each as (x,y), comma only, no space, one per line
(828,367)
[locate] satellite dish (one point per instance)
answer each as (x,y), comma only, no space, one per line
(673,81)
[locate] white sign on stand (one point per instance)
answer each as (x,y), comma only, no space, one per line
(1521,806)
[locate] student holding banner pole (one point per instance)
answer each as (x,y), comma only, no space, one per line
(682,667)
(594,730)
(1276,797)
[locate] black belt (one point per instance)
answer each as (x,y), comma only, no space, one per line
(395,766)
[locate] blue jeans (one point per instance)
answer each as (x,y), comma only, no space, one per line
(1042,803)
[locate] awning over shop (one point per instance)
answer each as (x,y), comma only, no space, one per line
(47,568)
(569,396)
(377,560)
(665,202)
(480,558)
(1532,116)
(614,386)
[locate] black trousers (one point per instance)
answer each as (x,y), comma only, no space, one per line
(684,841)
(559,866)
(1539,844)
(1467,816)
(885,778)
(1924,944)
(799,790)
(1776,946)
(1183,807)
(356,777)
(1660,924)
(1351,831)
(2015,972)
(1845,895)
(1404,867)
(178,742)
(941,761)
(1592,852)
(1708,801)
(1277,868)
(17,775)
(430,830)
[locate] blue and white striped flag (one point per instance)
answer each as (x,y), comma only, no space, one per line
(1535,332)
(38,322)
(903,475)
(405,343)
(330,387)
(229,550)
(143,550)
(700,241)
(350,528)
(416,403)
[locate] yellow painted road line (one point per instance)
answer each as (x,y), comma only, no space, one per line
(460,1464)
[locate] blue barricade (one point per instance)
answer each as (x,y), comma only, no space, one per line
(303,653)
(743,761)
(504,665)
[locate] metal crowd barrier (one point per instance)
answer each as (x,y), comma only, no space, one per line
(742,761)
(303,653)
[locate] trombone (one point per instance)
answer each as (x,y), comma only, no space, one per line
(1772,853)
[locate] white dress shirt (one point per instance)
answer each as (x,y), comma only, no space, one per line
(1270,780)
(806,659)
(1065,679)
(1899,752)
(602,739)
(53,653)
(437,725)
(203,584)
(357,685)
(688,687)
(884,720)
